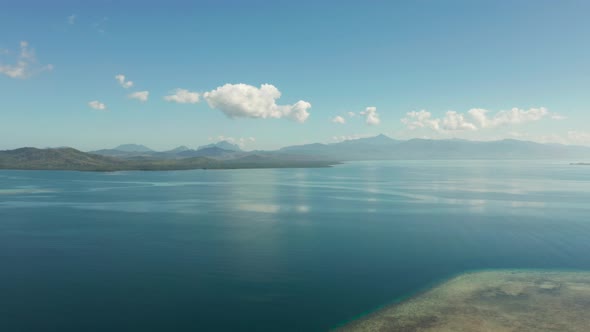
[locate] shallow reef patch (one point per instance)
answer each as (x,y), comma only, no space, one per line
(492,300)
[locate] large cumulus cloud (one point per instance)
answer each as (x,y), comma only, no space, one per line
(247,101)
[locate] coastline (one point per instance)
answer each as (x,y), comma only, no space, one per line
(167,169)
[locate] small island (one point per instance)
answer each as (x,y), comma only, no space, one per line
(580,164)
(500,300)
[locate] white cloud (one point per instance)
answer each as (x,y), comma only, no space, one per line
(97,105)
(123,81)
(242,100)
(140,95)
(476,118)
(371,116)
(298,111)
(455,121)
(512,117)
(452,121)
(479,115)
(351,114)
(339,119)
(72,19)
(26,64)
(421,119)
(183,96)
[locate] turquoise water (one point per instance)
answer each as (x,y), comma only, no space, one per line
(270,250)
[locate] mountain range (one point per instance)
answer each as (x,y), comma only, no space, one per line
(227,155)
(139,152)
(382,147)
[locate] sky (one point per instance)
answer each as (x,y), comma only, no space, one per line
(266,74)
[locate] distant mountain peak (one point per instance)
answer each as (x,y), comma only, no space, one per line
(382,137)
(379,140)
(133,148)
(225,145)
(180,149)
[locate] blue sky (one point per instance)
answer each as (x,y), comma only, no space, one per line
(441,69)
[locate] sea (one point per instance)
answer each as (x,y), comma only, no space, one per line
(272,249)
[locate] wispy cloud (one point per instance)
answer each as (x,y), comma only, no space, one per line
(579,137)
(510,117)
(371,116)
(183,96)
(100,25)
(72,19)
(123,81)
(558,117)
(343,138)
(97,105)
(140,95)
(571,137)
(26,64)
(242,100)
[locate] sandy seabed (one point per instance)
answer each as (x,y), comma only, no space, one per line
(499,300)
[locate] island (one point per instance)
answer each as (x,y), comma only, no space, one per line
(75,160)
(495,300)
(580,164)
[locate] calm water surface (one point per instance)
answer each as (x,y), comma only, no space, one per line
(271,250)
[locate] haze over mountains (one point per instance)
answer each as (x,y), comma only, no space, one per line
(227,155)
(382,147)
(379,147)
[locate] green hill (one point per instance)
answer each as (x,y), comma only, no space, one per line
(57,159)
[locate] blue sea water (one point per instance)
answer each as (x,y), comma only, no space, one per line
(273,249)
